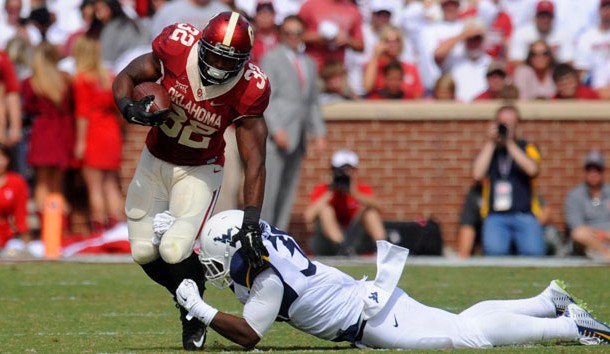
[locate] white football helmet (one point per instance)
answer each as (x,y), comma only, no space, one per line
(217,246)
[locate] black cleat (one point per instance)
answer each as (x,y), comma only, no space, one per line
(193,332)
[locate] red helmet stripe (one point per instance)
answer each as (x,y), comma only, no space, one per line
(230,29)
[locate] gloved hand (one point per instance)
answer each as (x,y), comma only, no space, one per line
(137,111)
(161,223)
(252,246)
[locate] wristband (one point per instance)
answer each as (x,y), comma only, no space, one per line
(251,215)
(204,312)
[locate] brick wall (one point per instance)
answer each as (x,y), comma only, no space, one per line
(417,156)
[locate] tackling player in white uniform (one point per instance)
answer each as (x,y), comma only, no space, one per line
(329,304)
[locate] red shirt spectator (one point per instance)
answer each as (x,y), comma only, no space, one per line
(13,200)
(331,27)
(346,206)
(266,35)
(582,93)
(569,86)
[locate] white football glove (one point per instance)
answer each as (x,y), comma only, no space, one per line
(188,297)
(187,294)
(161,223)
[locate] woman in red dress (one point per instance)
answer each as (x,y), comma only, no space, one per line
(99,139)
(47,99)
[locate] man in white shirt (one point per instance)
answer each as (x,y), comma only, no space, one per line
(329,304)
(470,67)
(593,47)
(542,27)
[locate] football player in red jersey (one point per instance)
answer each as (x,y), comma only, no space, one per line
(212,85)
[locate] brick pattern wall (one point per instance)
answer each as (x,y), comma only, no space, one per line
(422,167)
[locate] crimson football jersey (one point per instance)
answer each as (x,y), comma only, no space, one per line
(193,133)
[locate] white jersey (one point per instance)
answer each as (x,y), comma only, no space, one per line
(306,288)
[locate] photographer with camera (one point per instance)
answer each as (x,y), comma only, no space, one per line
(507,166)
(345,213)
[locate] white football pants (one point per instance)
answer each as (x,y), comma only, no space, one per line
(406,323)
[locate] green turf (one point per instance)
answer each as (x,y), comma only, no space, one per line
(48,307)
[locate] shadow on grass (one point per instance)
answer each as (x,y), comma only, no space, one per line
(237,348)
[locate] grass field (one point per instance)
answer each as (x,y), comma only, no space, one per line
(52,307)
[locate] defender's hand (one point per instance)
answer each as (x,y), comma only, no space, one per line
(137,112)
(251,240)
(187,294)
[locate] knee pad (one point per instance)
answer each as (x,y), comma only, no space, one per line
(143,252)
(173,251)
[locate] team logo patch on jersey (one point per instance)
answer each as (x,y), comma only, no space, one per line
(181,87)
(374,296)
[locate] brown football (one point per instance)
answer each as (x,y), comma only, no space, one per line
(162,99)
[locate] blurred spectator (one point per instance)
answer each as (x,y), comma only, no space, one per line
(470,68)
(283,8)
(119,33)
(381,12)
(345,212)
(498,23)
(388,50)
(507,166)
(568,85)
(444,88)
(470,222)
(520,11)
(587,209)
(194,12)
(10,113)
(98,135)
(534,78)
(87,12)
(391,87)
(331,27)
(542,27)
(47,99)
(13,205)
(67,19)
(292,116)
(438,42)
(41,18)
(601,81)
(19,51)
(576,17)
(334,84)
(592,52)
(266,33)
(15,25)
(498,86)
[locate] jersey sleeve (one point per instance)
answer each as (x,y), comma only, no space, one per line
(255,97)
(263,305)
(317,192)
(173,44)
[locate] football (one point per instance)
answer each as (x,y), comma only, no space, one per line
(162,99)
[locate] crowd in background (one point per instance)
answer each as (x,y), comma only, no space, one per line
(58,59)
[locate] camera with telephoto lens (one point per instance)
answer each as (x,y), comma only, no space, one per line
(341,179)
(502,130)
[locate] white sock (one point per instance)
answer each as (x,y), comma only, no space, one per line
(537,306)
(503,328)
